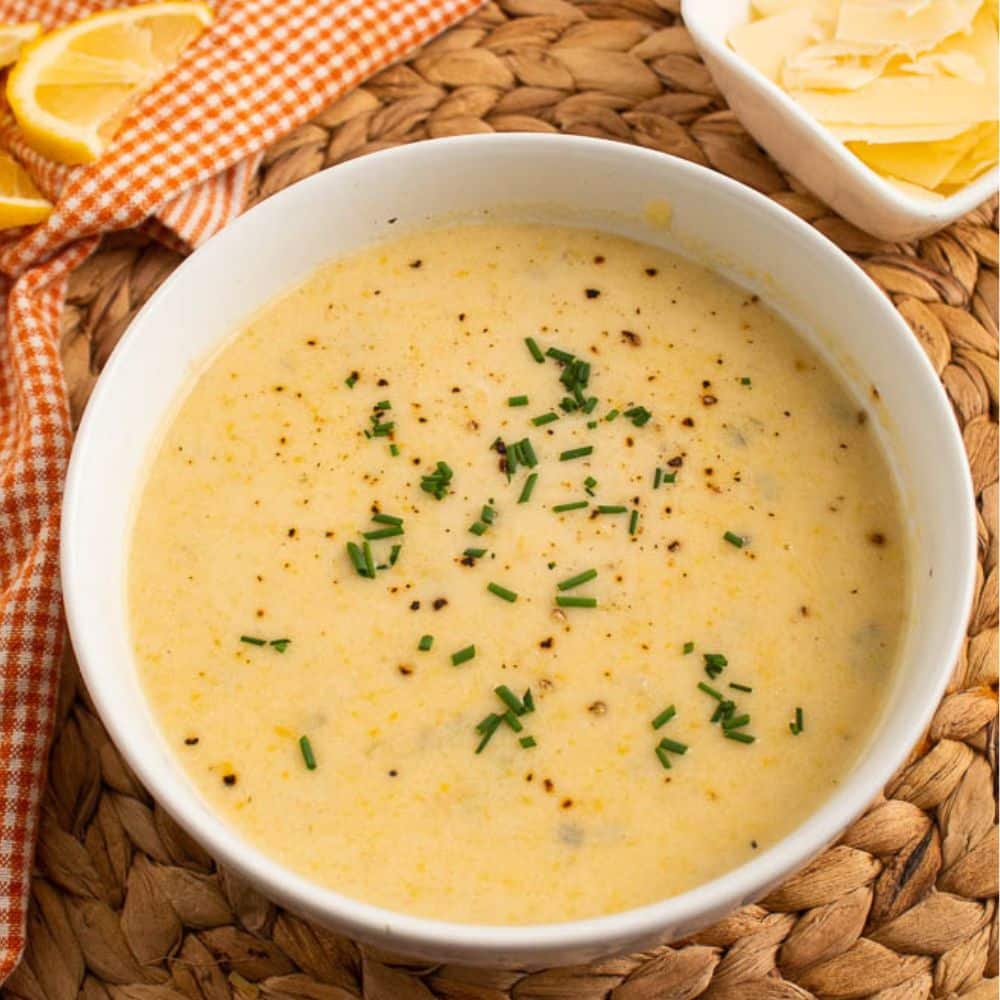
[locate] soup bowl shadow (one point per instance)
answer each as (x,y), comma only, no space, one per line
(593,183)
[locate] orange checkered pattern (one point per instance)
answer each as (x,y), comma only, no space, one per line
(181,165)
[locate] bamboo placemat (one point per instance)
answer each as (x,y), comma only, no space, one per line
(127,907)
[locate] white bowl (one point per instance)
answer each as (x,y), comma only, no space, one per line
(583,182)
(809,151)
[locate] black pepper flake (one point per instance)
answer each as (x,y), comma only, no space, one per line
(191,741)
(416,263)
(599,259)
(547,643)
(630,337)
(591,293)
(652,272)
(876,538)
(393,773)
(229,779)
(673,546)
(676,462)
(687,422)
(439,603)
(382,382)
(567,803)
(405,669)
(549,785)
(414,605)
(291,532)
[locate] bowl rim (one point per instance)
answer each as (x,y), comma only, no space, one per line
(943,210)
(486,942)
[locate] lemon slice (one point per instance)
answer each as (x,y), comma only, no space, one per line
(13,36)
(71,89)
(21,203)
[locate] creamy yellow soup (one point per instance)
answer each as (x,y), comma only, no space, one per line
(632,593)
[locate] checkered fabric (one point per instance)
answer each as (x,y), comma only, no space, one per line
(181,164)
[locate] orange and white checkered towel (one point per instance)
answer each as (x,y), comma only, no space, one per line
(183,160)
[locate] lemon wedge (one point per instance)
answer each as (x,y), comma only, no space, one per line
(13,37)
(21,203)
(71,89)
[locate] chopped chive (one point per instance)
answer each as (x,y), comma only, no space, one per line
(386,519)
(510,699)
(664,717)
(673,746)
(572,453)
(394,554)
(688,647)
(491,720)
(590,482)
(394,450)
(633,523)
(606,508)
(736,723)
(591,424)
(545,418)
(307,753)
(488,514)
(590,405)
(354,553)
(715,663)
(527,742)
(745,381)
(366,552)
(735,734)
(560,508)
(527,452)
(426,641)
(657,478)
(383,430)
(487,728)
(738,540)
(383,405)
(575,581)
(513,721)
(502,592)
(639,415)
(352,380)
(799,724)
(709,690)
(670,477)
(463,656)
(567,404)
(564,356)
(723,711)
(536,351)
(611,415)
(517,400)
(529,701)
(576,602)
(437,482)
(391,532)
(528,488)
(280,644)
(740,687)
(474,553)
(664,757)
(253,640)
(478,528)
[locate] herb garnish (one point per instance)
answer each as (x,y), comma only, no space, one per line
(528,488)
(561,508)
(738,540)
(576,602)
(502,592)
(570,454)
(463,656)
(307,753)
(575,581)
(799,724)
(426,641)
(437,483)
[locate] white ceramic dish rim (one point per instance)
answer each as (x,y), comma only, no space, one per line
(695,14)
(481,942)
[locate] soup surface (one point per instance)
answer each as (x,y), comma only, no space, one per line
(699,576)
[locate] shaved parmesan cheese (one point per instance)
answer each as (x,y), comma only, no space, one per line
(897,133)
(910,86)
(915,29)
(923,163)
(767,43)
(834,66)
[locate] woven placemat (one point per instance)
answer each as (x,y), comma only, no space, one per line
(126,907)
